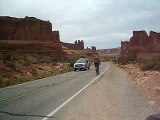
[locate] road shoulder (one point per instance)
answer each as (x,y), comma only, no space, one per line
(113,97)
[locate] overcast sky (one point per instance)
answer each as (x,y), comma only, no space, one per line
(100,23)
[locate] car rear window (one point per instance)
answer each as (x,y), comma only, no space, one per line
(80,61)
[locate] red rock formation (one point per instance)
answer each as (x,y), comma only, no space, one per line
(91,51)
(28,34)
(28,28)
(139,38)
(124,47)
(138,42)
(8,27)
(78,45)
(110,51)
(154,41)
(141,42)
(94,51)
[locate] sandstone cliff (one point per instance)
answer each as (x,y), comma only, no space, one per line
(142,42)
(28,34)
(28,28)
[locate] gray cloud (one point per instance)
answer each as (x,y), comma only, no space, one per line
(100,23)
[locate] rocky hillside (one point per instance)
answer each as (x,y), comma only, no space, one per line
(148,81)
(21,68)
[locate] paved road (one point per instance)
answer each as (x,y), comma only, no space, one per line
(110,96)
(113,97)
(35,100)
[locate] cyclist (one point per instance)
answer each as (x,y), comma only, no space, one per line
(96,64)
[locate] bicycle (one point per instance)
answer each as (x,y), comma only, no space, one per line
(97,70)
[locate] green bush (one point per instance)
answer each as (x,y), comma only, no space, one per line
(114,60)
(153,64)
(157,66)
(36,56)
(45,60)
(11,64)
(123,60)
(34,72)
(49,60)
(6,57)
(140,60)
(72,61)
(24,61)
(131,57)
(71,64)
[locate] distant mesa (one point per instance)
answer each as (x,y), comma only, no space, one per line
(91,51)
(111,51)
(141,42)
(77,45)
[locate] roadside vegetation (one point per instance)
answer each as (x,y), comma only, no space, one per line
(150,64)
(16,69)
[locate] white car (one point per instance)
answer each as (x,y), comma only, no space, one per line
(81,64)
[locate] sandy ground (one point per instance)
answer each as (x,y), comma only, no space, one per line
(148,81)
(113,97)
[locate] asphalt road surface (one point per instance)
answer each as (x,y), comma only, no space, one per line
(35,100)
(80,95)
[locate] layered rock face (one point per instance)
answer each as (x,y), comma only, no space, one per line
(8,27)
(77,45)
(141,42)
(28,28)
(154,41)
(139,38)
(91,52)
(124,47)
(28,34)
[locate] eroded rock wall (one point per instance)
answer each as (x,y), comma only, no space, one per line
(28,34)
(77,45)
(28,28)
(142,42)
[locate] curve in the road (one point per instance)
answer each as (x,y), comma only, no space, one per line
(71,98)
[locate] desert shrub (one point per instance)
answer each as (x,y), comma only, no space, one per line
(157,66)
(151,64)
(5,82)
(6,57)
(147,65)
(73,60)
(45,60)
(71,64)
(122,60)
(56,59)
(131,57)
(11,64)
(7,60)
(114,59)
(49,59)
(36,56)
(24,61)
(125,59)
(34,72)
(140,60)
